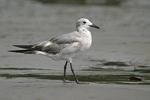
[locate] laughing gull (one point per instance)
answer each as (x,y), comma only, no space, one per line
(64,47)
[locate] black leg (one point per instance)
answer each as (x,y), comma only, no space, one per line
(65,67)
(74,73)
(75,76)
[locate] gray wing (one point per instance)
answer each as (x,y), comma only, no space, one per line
(56,44)
(66,38)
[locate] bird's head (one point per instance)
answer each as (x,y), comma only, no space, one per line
(85,23)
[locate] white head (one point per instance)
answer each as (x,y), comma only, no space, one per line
(85,23)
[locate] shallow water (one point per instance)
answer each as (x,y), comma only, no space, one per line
(83,2)
(121,48)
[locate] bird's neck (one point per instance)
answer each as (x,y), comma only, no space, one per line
(83,30)
(86,37)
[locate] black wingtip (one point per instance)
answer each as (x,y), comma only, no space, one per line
(23,51)
(17,51)
(16,45)
(24,46)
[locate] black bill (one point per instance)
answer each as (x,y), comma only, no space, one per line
(95,26)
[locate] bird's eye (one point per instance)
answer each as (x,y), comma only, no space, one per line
(84,22)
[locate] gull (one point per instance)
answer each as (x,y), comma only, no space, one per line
(64,47)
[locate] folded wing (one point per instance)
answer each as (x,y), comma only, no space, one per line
(53,46)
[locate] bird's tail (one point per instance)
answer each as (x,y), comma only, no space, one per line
(28,49)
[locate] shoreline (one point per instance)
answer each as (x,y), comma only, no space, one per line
(35,89)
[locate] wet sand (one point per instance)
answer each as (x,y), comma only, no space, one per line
(124,37)
(29,89)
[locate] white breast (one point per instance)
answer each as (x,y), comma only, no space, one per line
(87,40)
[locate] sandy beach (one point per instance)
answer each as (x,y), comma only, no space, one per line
(120,49)
(23,89)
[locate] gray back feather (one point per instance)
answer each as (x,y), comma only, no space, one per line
(58,43)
